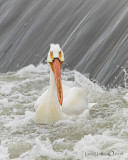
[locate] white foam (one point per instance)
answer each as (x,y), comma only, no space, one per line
(66,139)
(20,121)
(3,152)
(4,102)
(100,144)
(126,97)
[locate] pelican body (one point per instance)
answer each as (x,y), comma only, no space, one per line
(58,103)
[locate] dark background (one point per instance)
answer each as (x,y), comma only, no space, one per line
(92,33)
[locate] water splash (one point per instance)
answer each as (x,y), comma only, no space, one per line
(103,130)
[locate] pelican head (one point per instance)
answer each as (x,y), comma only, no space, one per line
(55,59)
(55,52)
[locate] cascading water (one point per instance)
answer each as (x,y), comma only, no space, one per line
(92,34)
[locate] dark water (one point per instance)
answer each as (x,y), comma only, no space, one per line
(92,33)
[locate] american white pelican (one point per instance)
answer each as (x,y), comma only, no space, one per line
(56,103)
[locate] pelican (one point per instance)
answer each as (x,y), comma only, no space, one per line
(58,103)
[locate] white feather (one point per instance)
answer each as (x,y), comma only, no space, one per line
(75,100)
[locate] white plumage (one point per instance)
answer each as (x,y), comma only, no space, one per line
(48,106)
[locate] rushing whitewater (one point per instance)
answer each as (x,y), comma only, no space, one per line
(102,134)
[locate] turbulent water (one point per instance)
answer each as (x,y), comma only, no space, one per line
(92,33)
(102,134)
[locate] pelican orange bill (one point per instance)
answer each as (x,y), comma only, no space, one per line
(57,73)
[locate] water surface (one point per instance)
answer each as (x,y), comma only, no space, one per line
(103,130)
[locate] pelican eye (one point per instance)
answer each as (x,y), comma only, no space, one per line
(51,55)
(60,55)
